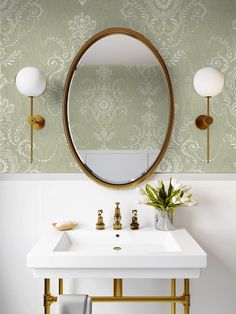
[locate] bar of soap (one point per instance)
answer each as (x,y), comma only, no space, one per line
(65,223)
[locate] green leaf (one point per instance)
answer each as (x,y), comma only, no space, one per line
(175,193)
(155,205)
(170,189)
(168,200)
(155,191)
(162,192)
(151,192)
(162,184)
(151,204)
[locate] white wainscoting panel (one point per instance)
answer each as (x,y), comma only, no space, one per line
(30,203)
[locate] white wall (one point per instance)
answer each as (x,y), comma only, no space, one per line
(29,203)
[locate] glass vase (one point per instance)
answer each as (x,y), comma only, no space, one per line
(164,220)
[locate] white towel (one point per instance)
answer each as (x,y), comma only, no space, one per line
(74,304)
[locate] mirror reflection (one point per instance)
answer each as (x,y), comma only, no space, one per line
(118,109)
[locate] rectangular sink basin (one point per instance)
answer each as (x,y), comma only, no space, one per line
(144,253)
(128,242)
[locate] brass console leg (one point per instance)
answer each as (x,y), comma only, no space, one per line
(187,296)
(48,299)
(173,294)
(60,286)
(46,294)
(118,287)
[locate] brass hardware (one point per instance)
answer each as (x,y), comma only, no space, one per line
(186,296)
(60,289)
(118,296)
(117,217)
(117,287)
(31,129)
(140,298)
(79,55)
(36,122)
(100,224)
(117,248)
(48,298)
(173,294)
(134,224)
(203,122)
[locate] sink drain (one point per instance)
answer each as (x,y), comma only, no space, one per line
(116,248)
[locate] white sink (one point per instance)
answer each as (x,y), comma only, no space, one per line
(144,253)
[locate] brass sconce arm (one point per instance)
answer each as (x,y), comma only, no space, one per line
(36,122)
(203,122)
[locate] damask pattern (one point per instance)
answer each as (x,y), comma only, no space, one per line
(118,107)
(167,21)
(15,21)
(189,35)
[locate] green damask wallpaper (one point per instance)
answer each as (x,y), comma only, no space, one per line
(189,34)
(119,107)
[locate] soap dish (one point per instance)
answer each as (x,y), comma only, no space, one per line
(65,227)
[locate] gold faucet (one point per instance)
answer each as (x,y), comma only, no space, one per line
(134,224)
(100,224)
(117,217)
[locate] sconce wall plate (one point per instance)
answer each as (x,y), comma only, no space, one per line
(37,121)
(203,121)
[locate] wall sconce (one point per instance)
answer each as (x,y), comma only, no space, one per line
(32,82)
(208,82)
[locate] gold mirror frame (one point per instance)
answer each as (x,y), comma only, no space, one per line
(84,48)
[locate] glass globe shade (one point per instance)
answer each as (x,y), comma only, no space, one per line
(208,82)
(31,81)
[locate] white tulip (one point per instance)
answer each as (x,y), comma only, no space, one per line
(176,184)
(186,197)
(144,199)
(176,200)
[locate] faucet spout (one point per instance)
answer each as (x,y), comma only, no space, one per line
(117,218)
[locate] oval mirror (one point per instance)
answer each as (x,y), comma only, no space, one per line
(118,107)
